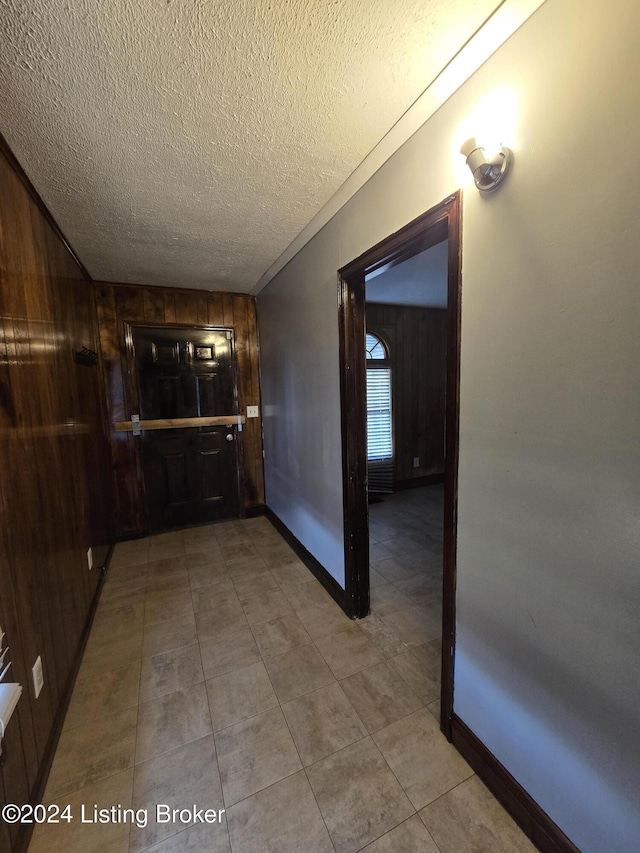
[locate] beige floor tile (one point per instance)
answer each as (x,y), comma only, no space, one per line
(245,568)
(280,635)
(434,708)
(171,721)
(387,598)
(112,689)
(470,820)
(409,837)
(348,651)
(359,797)
(135,552)
(402,546)
(419,755)
(168,635)
(166,568)
(240,694)
(291,573)
(179,779)
(170,671)
(120,591)
(375,578)
(161,606)
(395,569)
(381,636)
(96,750)
(118,621)
(430,656)
(175,583)
(258,585)
(231,532)
(201,540)
(217,596)
(166,545)
(269,605)
(126,648)
(277,553)
(322,722)
(325,620)
(210,558)
(75,836)
(200,838)
(297,672)
(413,625)
(237,551)
(254,754)
(283,818)
(200,576)
(414,672)
(228,652)
(378,552)
(380,696)
(218,622)
(305,595)
(127,609)
(125,573)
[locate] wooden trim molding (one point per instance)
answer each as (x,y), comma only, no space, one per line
(534,822)
(442,222)
(182,423)
(315,567)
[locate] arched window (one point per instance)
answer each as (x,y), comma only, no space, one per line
(375,347)
(379,411)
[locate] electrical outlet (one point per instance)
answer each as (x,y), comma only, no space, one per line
(90,558)
(416,461)
(38,677)
(252,412)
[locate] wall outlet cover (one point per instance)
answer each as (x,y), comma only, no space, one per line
(252,412)
(38,677)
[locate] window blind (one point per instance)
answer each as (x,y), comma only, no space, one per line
(379,430)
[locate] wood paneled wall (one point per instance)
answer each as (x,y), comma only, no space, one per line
(52,471)
(118,304)
(417,338)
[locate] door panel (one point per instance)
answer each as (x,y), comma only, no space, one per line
(191,475)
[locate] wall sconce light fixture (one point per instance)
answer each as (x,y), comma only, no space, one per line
(487,174)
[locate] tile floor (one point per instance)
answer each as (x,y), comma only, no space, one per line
(219,673)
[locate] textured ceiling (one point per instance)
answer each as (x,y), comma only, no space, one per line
(187,142)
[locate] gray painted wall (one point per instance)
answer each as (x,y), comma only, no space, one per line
(548,597)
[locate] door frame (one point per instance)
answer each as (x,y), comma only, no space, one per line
(441,222)
(132,399)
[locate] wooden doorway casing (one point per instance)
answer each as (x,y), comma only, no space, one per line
(442,222)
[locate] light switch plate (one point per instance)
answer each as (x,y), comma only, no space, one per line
(38,677)
(90,558)
(253,412)
(416,461)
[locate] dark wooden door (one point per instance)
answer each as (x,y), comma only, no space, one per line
(191,475)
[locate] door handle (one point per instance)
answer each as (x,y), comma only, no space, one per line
(229,436)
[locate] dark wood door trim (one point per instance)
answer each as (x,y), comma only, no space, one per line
(441,222)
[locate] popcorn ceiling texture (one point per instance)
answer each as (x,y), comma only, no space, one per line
(187,142)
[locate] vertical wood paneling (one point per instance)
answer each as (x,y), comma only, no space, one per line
(169,305)
(417,338)
(153,305)
(52,468)
(118,305)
